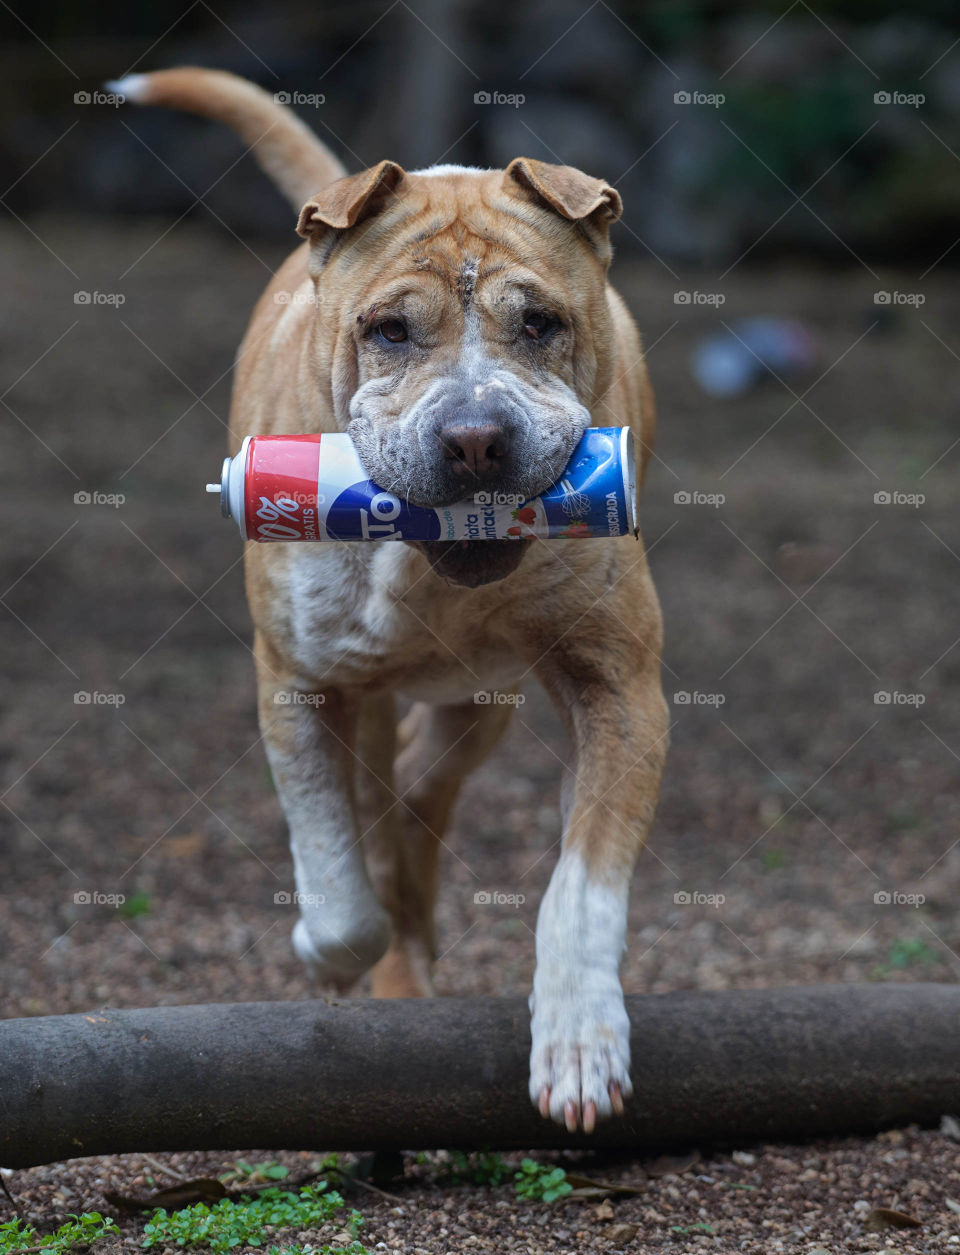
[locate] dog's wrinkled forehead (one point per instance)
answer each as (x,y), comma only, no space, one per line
(555,213)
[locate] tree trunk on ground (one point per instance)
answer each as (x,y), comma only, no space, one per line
(359,1074)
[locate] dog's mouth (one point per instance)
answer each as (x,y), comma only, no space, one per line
(472,563)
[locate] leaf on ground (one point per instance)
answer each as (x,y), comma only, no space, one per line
(187,845)
(587,1188)
(886,1218)
(200,1190)
(672,1165)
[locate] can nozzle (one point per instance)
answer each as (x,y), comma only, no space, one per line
(223,489)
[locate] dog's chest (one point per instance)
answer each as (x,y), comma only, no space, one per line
(367,620)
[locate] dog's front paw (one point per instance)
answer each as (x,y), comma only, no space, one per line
(339,956)
(580,1056)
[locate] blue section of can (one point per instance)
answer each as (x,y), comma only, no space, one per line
(365,512)
(593,497)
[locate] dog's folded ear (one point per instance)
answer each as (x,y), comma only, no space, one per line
(349,201)
(570,193)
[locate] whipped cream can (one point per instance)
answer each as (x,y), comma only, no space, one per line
(314,487)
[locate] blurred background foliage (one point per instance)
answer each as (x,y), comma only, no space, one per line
(702,182)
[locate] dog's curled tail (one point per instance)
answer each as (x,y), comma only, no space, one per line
(290,153)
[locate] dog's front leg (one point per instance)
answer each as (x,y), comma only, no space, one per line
(580,1056)
(342,930)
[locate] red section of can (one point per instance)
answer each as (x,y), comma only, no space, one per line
(280,488)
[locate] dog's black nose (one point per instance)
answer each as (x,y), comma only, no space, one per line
(474,450)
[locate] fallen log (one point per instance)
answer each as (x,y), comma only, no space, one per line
(360,1074)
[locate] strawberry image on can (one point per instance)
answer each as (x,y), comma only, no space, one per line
(314,487)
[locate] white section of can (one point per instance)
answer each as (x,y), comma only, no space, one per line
(340,466)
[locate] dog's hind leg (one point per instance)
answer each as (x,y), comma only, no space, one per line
(440,745)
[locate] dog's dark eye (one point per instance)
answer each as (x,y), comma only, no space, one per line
(392,329)
(538,325)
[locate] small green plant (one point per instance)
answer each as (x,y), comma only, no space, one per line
(228,1224)
(539,1183)
(137,904)
(906,951)
(329,1164)
(699,1227)
(355,1248)
(773,860)
(481,1167)
(83,1230)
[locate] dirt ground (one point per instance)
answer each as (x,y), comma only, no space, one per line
(792,796)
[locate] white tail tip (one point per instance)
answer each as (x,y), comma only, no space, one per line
(131,86)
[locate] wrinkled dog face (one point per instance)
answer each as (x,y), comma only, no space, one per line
(474,339)
(465,386)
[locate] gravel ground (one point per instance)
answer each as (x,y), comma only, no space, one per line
(792,798)
(807,1199)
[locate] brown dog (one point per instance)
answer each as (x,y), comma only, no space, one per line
(459,325)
